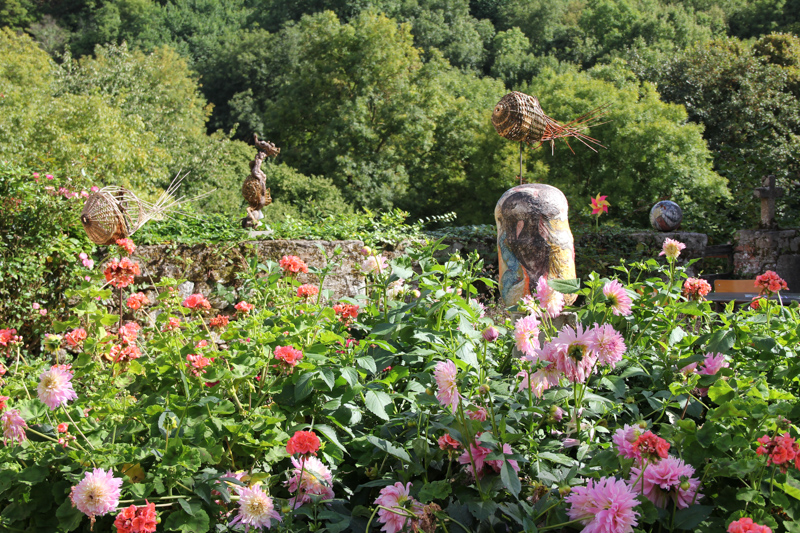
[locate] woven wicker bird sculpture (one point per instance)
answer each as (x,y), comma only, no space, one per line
(116,213)
(254,188)
(519,117)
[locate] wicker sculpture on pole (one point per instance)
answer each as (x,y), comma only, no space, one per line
(519,117)
(116,213)
(254,187)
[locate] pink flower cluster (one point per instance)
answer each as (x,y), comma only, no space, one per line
(172,324)
(197,363)
(127,245)
(137,300)
(141,519)
(219,321)
(121,272)
(75,337)
(291,264)
(780,451)
(346,312)
(482,465)
(127,349)
(88,263)
(770,282)
(13,425)
(604,506)
(307,291)
(448,443)
(634,443)
(746,525)
(197,301)
(244,307)
(288,356)
(695,288)
(8,337)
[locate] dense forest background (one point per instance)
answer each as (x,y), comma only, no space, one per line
(387,103)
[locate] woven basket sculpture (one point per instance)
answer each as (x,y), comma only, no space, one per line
(116,213)
(519,117)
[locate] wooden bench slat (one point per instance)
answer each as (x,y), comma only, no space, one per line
(735,285)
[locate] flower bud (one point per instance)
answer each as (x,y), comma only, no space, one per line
(483,390)
(490,334)
(643,424)
(366,250)
(564,491)
(685,485)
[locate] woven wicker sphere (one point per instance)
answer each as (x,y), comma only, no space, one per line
(519,117)
(102,219)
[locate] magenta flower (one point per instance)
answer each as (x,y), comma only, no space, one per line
(604,506)
(526,333)
(618,299)
(398,498)
(445,375)
(55,386)
(480,414)
(539,381)
(551,300)
(491,334)
(479,454)
(672,248)
(668,479)
(712,364)
(575,355)
(97,493)
(624,438)
(607,343)
(317,479)
(497,464)
(256,509)
(13,426)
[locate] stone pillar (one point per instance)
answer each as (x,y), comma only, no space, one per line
(533,239)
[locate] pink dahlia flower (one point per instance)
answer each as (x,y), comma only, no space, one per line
(672,248)
(479,454)
(375,263)
(255,508)
(397,497)
(617,298)
(575,357)
(608,344)
(624,438)
(551,300)
(668,479)
(13,426)
(604,506)
(541,380)
(712,364)
(97,493)
(445,374)
(480,414)
(55,386)
(316,480)
(526,333)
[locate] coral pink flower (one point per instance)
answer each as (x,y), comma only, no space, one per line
(780,450)
(617,297)
(256,509)
(397,497)
(129,332)
(219,321)
(244,307)
(62,427)
(172,323)
(541,380)
(288,355)
(651,447)
(448,443)
(3,400)
(97,493)
(551,300)
(526,335)
(291,264)
(607,343)
(316,479)
(197,363)
(346,312)
(624,438)
(127,245)
(133,519)
(303,442)
(55,386)
(75,337)
(196,301)
(13,426)
(695,288)
(307,291)
(445,375)
(668,479)
(120,273)
(672,248)
(124,353)
(137,300)
(574,356)
(604,506)
(770,282)
(746,525)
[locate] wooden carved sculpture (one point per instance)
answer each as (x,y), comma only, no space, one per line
(254,188)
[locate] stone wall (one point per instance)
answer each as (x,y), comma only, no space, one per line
(206,265)
(757,251)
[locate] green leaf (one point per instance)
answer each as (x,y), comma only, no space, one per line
(720,392)
(33,474)
(466,352)
(389,448)
(690,518)
(436,490)
(304,387)
(69,518)
(510,479)
(557,458)
(367,363)
(565,286)
(350,375)
(721,341)
(376,402)
(330,434)
(327,376)
(676,335)
(197,522)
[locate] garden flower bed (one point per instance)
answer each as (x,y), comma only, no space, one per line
(405,409)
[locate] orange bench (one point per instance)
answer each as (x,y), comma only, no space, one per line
(735,285)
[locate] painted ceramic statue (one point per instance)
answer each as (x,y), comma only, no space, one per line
(533,239)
